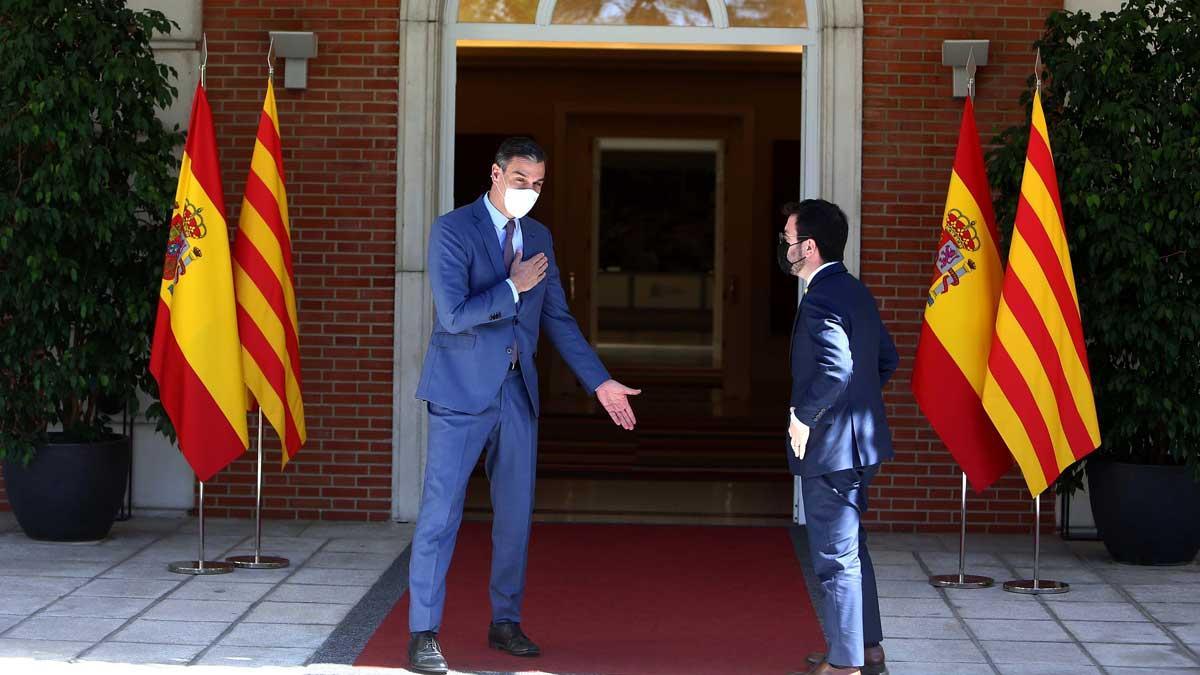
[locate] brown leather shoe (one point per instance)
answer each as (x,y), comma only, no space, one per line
(875,659)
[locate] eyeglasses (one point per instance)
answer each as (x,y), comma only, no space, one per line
(784,240)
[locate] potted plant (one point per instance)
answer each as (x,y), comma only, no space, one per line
(1122,103)
(85,187)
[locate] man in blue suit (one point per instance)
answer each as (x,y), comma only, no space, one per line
(842,356)
(495,287)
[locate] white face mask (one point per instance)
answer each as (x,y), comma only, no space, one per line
(518,202)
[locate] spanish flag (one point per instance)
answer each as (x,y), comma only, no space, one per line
(195,356)
(1038,389)
(263,280)
(960,314)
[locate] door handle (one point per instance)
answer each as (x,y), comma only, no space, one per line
(571,284)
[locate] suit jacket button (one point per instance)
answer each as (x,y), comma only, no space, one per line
(494,317)
(508,350)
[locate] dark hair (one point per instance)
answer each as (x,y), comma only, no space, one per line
(824,223)
(519,146)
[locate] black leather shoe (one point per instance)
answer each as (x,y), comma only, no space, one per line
(425,654)
(508,637)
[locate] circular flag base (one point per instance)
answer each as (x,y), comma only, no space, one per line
(963,581)
(262,562)
(200,567)
(1036,587)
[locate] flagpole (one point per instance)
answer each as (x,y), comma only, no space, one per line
(258,561)
(200,566)
(1037,585)
(962,579)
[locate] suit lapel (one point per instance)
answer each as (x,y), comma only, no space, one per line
(487,235)
(819,277)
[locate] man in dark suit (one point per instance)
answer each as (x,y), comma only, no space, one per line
(842,356)
(495,288)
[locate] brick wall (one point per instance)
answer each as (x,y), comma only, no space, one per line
(339,139)
(910,129)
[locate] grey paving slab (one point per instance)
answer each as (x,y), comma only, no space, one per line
(1050,653)
(220,588)
(327,530)
(171,632)
(1087,593)
(41,649)
(1069,575)
(1173,613)
(1188,632)
(1017,608)
(135,653)
(149,571)
(1141,656)
(891,588)
(352,561)
(343,595)
(14,586)
(1166,593)
(1023,630)
(925,668)
(395,546)
(1097,611)
(308,636)
(272,544)
(64,628)
(66,568)
(24,605)
(127,588)
(1136,574)
(297,612)
(8,621)
(935,651)
(1135,632)
(334,577)
(85,606)
(904,572)
(254,657)
(914,607)
(1047,669)
(197,610)
(948,560)
(244,576)
(887,541)
(1147,671)
(916,627)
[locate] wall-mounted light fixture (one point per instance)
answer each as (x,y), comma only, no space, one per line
(957,54)
(296,48)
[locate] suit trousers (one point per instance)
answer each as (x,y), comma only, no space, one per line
(507,430)
(833,507)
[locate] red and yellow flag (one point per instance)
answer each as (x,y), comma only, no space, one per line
(960,314)
(195,356)
(1038,389)
(263,279)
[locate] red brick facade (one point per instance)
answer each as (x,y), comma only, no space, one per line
(340,138)
(910,129)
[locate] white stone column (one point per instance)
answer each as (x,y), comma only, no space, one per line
(417,171)
(162,480)
(841,115)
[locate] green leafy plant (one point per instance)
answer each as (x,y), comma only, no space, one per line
(86,183)
(1121,98)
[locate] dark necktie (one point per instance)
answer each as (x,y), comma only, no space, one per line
(509,228)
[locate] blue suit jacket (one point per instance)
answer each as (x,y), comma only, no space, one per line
(842,356)
(477,321)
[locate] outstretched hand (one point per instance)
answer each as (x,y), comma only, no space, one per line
(614,396)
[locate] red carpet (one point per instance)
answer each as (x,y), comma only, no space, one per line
(625,599)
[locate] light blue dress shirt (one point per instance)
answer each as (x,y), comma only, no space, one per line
(499,221)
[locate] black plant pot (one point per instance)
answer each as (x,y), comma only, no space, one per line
(1146,514)
(70,491)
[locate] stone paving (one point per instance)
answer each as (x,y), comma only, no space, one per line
(112,607)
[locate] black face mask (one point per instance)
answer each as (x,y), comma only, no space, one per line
(781,257)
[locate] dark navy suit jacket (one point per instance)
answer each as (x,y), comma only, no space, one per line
(477,322)
(842,356)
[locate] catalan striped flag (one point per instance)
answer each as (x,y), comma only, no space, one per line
(263,279)
(1038,389)
(195,355)
(960,315)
